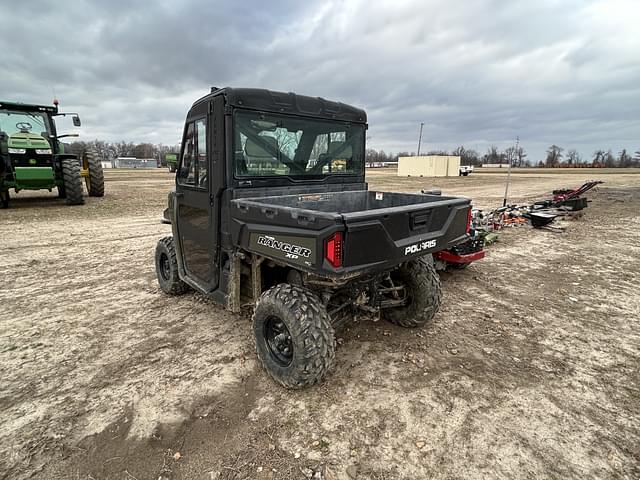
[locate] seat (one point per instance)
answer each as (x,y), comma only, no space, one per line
(253,149)
(258,156)
(340,151)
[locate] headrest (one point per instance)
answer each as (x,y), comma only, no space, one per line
(340,152)
(256,149)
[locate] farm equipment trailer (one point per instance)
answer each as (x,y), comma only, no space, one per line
(33,158)
(271,209)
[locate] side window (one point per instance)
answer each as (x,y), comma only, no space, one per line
(187,171)
(201,134)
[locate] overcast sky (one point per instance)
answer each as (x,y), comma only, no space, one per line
(476,73)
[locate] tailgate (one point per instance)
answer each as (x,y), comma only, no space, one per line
(396,234)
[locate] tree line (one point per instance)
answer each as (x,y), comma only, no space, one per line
(517,156)
(600,158)
(111,150)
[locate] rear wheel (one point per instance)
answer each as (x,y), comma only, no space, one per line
(72,181)
(4,199)
(294,338)
(95,180)
(167,268)
(422,293)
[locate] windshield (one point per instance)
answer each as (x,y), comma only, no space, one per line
(272,145)
(16,122)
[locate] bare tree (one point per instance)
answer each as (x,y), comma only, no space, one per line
(598,158)
(467,156)
(573,157)
(493,155)
(144,150)
(554,156)
(609,160)
(510,155)
(521,157)
(624,159)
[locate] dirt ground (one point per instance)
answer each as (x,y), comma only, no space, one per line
(530,370)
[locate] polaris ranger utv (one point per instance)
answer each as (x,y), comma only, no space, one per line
(33,158)
(271,209)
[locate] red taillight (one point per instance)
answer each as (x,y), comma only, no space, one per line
(333,249)
(469,221)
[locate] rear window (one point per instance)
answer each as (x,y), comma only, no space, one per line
(281,145)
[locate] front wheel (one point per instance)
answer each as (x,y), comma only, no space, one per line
(294,338)
(422,293)
(167,268)
(95,179)
(72,181)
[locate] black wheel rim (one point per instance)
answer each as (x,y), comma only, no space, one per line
(278,340)
(165,266)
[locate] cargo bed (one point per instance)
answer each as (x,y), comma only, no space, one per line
(380,228)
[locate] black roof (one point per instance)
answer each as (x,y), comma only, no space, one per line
(27,107)
(281,102)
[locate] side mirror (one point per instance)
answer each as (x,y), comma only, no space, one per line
(76,120)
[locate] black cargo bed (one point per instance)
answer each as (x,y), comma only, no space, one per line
(381,229)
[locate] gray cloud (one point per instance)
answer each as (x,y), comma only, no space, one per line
(477,73)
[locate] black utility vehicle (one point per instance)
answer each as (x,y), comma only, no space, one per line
(271,209)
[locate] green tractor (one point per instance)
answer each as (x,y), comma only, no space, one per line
(32,157)
(172,161)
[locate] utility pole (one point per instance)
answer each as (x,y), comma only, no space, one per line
(420,137)
(506,188)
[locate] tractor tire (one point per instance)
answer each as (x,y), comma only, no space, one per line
(423,291)
(167,268)
(4,199)
(72,181)
(95,180)
(294,338)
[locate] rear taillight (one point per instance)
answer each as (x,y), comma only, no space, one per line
(333,249)
(469,221)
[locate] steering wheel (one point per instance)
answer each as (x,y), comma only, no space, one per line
(24,126)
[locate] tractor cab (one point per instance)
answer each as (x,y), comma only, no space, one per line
(32,157)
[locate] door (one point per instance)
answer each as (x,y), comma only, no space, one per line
(194,208)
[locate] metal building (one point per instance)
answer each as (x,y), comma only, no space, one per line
(133,162)
(429,166)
